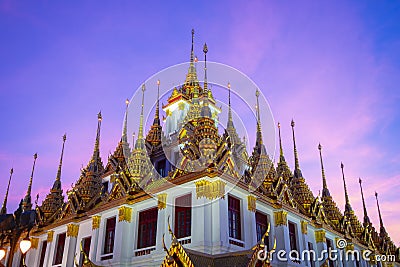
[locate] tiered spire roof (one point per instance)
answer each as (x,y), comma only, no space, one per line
(27,202)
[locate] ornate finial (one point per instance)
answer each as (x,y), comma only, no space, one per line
(157,113)
(382,228)
(139,142)
(325,191)
(192,50)
(281,156)
(96,152)
(4,207)
(230,120)
(296,158)
(348,206)
(125,129)
(27,202)
(205,50)
(366,218)
(58,178)
(259,134)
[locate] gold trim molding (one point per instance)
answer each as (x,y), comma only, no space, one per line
(50,235)
(320,236)
(210,190)
(162,201)
(125,214)
(304,225)
(280,218)
(96,222)
(350,246)
(251,203)
(34,242)
(72,230)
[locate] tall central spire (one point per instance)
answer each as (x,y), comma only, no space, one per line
(191,78)
(205,50)
(382,231)
(281,156)
(125,129)
(366,218)
(57,182)
(259,134)
(325,190)
(96,152)
(230,120)
(140,140)
(346,195)
(4,207)
(157,113)
(27,202)
(297,170)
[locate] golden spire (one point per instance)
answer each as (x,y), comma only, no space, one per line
(325,190)
(281,156)
(348,206)
(366,218)
(259,134)
(154,135)
(230,120)
(157,114)
(125,130)
(205,50)
(4,207)
(96,152)
(297,170)
(58,178)
(27,203)
(382,231)
(140,142)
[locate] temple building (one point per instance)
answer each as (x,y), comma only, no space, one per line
(186,195)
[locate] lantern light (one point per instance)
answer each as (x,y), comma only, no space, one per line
(25,245)
(2,253)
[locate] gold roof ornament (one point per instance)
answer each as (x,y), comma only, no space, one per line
(262,254)
(176,254)
(348,211)
(366,220)
(53,203)
(153,138)
(27,202)
(3,210)
(87,191)
(301,191)
(332,212)
(141,170)
(282,169)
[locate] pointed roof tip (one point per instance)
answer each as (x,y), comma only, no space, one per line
(279,125)
(319,146)
(99,116)
(205,48)
(4,207)
(292,123)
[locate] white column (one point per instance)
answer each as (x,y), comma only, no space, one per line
(96,222)
(123,242)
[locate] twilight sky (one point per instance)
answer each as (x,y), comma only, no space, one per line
(333,66)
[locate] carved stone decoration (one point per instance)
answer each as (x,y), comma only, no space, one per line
(280,218)
(50,235)
(34,242)
(320,236)
(125,214)
(304,225)
(96,222)
(210,190)
(72,230)
(162,201)
(251,203)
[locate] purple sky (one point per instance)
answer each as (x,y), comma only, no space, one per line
(333,66)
